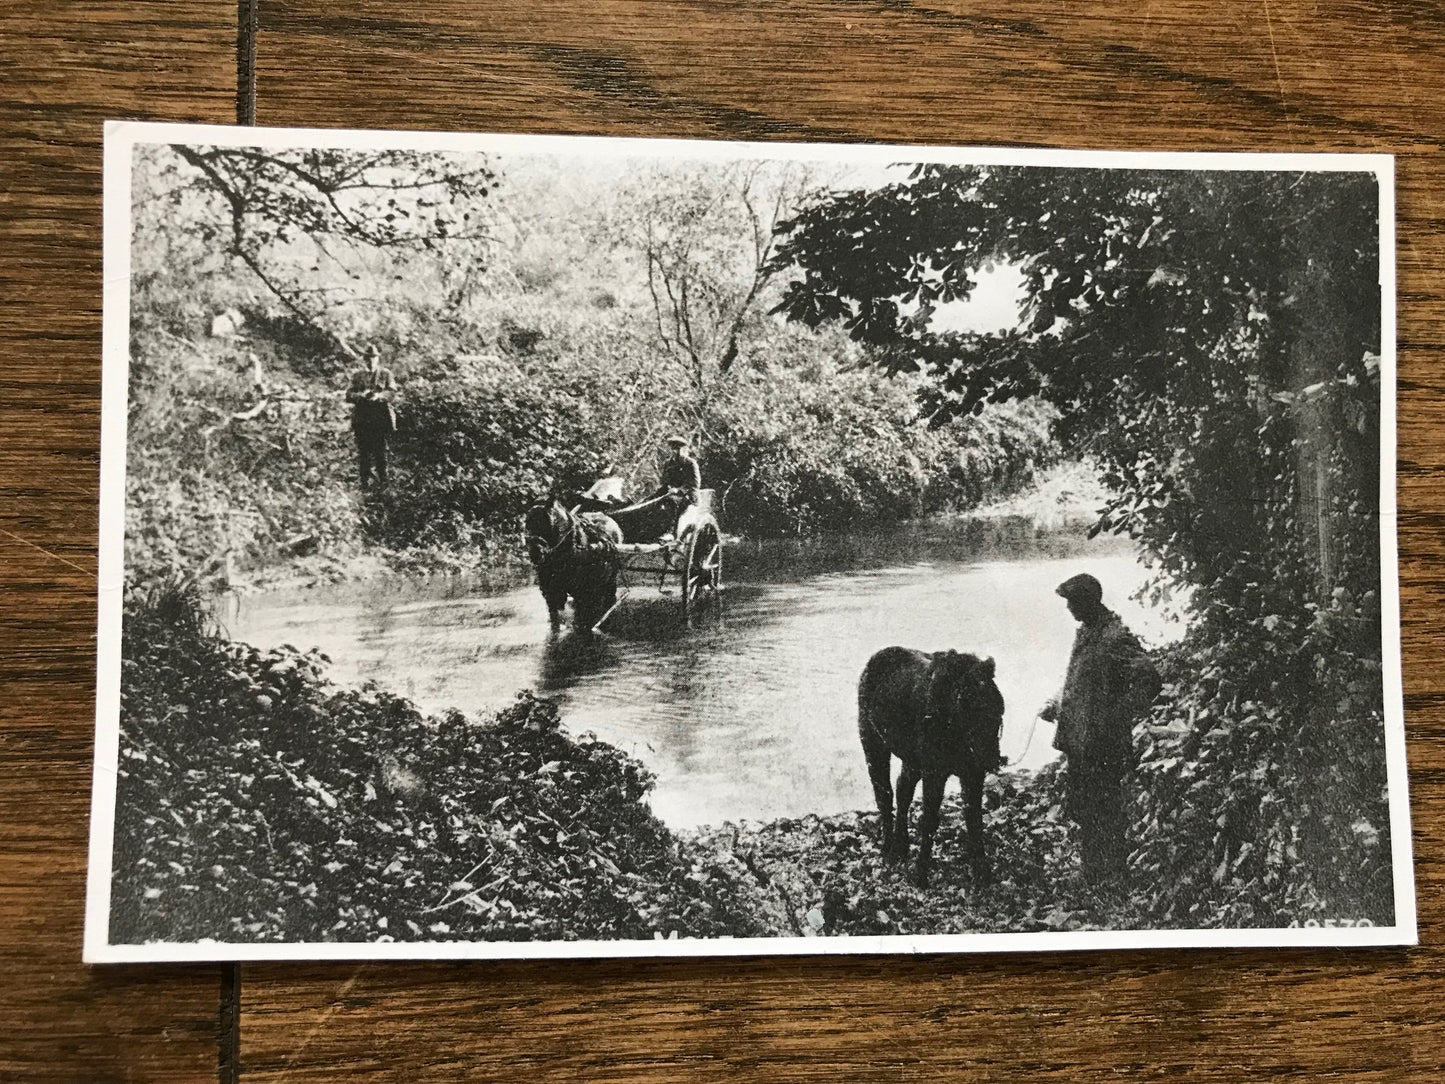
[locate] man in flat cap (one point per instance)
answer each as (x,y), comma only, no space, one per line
(681,470)
(373,418)
(657,513)
(678,483)
(1110,684)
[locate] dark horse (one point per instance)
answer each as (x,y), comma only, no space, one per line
(574,556)
(940,715)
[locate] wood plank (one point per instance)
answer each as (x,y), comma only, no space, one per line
(63,72)
(1215,1016)
(1190,75)
(1333,75)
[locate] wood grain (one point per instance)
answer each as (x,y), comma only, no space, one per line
(1187,76)
(63,72)
(1332,75)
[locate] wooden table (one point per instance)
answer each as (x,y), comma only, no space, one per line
(1226,75)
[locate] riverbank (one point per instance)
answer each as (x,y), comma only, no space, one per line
(494,567)
(826,875)
(257,802)
(1065,496)
(242,472)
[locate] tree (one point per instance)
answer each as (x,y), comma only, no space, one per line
(287,209)
(1208,337)
(1211,339)
(707,237)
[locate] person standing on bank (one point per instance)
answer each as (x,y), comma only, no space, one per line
(1110,684)
(373,418)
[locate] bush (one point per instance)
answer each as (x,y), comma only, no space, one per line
(256,802)
(804,452)
(1265,804)
(475,451)
(206,488)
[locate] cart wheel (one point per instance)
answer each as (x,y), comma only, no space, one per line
(702,574)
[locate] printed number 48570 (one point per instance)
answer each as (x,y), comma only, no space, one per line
(1329,923)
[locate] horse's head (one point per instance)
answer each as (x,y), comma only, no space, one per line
(964,700)
(548,527)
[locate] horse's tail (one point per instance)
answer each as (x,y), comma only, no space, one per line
(867,694)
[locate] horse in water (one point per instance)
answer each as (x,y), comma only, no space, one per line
(574,557)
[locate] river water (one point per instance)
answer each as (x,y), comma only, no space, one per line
(751,712)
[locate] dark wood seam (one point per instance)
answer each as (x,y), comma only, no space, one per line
(229,1054)
(248,17)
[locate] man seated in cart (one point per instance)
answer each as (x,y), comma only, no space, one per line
(656,515)
(680,474)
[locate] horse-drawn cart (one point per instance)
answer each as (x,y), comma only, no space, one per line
(689,557)
(588,554)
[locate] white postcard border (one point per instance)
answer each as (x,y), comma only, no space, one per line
(120,139)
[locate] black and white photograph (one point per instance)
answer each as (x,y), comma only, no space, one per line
(526,546)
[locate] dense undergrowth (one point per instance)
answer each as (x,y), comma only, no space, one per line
(529,352)
(257,802)
(1266,804)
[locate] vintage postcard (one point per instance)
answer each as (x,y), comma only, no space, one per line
(539,546)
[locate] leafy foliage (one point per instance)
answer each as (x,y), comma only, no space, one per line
(819,449)
(825,876)
(706,238)
(1264,803)
(1180,322)
(309,200)
(1210,341)
(256,802)
(534,329)
(211,480)
(478,449)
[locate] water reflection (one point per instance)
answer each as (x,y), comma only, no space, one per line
(748,713)
(570,657)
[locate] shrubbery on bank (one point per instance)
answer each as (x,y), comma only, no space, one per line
(584,324)
(256,802)
(826,450)
(229,474)
(1267,805)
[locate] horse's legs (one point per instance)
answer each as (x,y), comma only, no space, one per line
(554,593)
(593,594)
(585,612)
(878,764)
(907,783)
(933,784)
(973,818)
